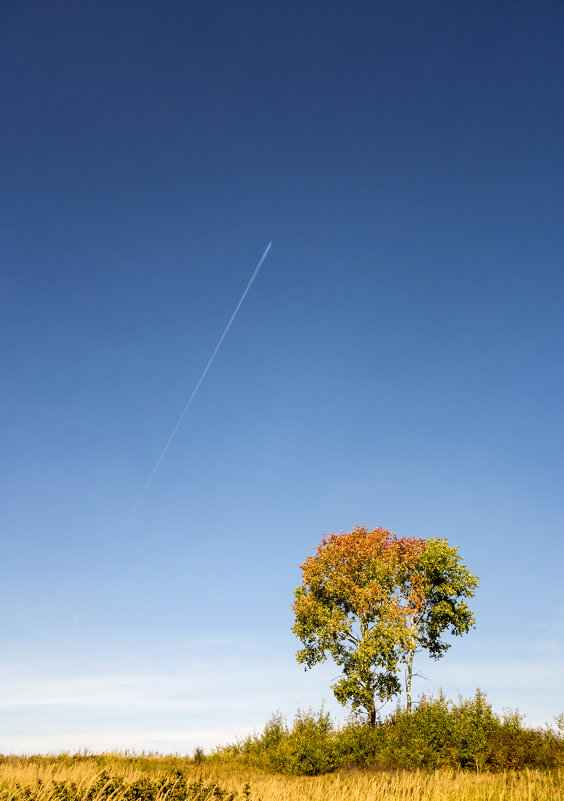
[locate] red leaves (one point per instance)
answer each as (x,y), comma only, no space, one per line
(370,570)
(369,599)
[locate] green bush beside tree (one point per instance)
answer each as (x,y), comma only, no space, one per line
(462,735)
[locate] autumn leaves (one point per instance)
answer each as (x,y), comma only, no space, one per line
(371,600)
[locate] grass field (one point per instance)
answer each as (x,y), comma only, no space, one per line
(153,778)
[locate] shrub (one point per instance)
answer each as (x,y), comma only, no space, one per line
(359,745)
(473,723)
(309,748)
(305,749)
(466,735)
(422,738)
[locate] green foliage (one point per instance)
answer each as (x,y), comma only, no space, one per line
(423,738)
(308,748)
(358,746)
(473,724)
(370,600)
(466,735)
(440,734)
(512,746)
(347,608)
(303,749)
(446,583)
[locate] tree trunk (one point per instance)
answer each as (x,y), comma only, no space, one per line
(372,714)
(408,678)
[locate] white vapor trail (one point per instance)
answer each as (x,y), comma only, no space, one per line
(181,418)
(196,388)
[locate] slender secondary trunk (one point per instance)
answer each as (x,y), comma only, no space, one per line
(408,678)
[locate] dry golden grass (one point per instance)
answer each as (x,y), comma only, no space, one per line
(353,785)
(358,785)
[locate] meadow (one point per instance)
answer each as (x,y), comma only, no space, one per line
(443,751)
(154,778)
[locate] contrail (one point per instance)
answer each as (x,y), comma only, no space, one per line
(180,419)
(196,388)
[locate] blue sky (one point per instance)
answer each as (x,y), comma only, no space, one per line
(397,362)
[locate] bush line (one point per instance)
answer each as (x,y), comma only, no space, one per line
(466,735)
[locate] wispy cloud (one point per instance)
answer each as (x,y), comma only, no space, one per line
(49,703)
(197,702)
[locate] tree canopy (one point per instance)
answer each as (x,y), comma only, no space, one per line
(370,600)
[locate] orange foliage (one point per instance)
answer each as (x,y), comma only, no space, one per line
(363,566)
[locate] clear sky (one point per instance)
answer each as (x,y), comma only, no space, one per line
(397,362)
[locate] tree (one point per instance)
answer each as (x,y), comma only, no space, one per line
(347,608)
(434,603)
(369,600)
